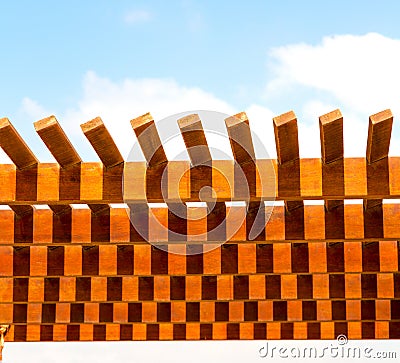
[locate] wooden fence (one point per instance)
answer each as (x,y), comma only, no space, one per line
(310,272)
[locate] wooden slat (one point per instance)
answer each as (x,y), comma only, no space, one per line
(195,139)
(57,141)
(331,135)
(14,146)
(315,223)
(332,153)
(238,128)
(102,142)
(379,133)
(378,142)
(286,137)
(61,148)
(201,175)
(239,133)
(287,150)
(149,140)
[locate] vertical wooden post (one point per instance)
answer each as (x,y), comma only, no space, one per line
(69,160)
(332,153)
(26,163)
(287,150)
(239,133)
(379,134)
(105,147)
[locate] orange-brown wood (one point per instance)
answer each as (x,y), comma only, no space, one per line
(57,141)
(195,139)
(102,142)
(149,140)
(379,133)
(14,146)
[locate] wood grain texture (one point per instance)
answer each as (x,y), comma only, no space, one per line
(70,274)
(332,153)
(287,150)
(379,133)
(102,142)
(149,140)
(195,140)
(57,141)
(90,183)
(102,224)
(14,146)
(240,138)
(378,142)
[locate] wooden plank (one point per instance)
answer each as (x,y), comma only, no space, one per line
(331,136)
(57,141)
(239,133)
(165,331)
(149,140)
(103,224)
(200,158)
(102,142)
(332,153)
(90,183)
(245,173)
(14,146)
(286,137)
(287,149)
(379,134)
(195,139)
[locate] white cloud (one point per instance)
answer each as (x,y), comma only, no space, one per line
(358,74)
(137,16)
(33,109)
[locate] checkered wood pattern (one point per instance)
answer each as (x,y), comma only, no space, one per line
(236,291)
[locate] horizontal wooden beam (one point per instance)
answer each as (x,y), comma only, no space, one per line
(272,330)
(71,261)
(105,224)
(94,185)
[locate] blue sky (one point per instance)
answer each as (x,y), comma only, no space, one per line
(120,59)
(79,60)
(221,47)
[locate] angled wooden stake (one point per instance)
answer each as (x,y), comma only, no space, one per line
(69,160)
(287,150)
(332,153)
(239,133)
(57,141)
(14,146)
(201,174)
(149,139)
(286,137)
(379,134)
(378,142)
(238,128)
(195,139)
(102,142)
